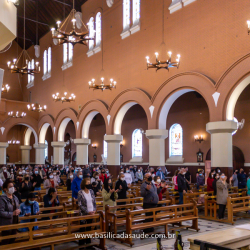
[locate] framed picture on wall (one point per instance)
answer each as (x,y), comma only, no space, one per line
(199,156)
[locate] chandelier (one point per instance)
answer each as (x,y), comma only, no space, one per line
(76,35)
(163,64)
(5,88)
(64,98)
(16,115)
(13,141)
(102,86)
(23,64)
(36,107)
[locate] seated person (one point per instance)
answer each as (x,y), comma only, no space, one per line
(95,189)
(51,200)
(29,207)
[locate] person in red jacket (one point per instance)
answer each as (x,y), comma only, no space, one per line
(103,176)
(210,180)
(161,186)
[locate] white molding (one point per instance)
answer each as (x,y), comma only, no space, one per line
(167,164)
(67,65)
(175,159)
(97,48)
(187,164)
(125,33)
(31,84)
(175,5)
(136,27)
(46,76)
(90,53)
(187,2)
(246,164)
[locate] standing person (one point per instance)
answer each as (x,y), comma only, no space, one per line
(188,175)
(222,194)
(51,182)
(26,187)
(200,179)
(183,186)
(103,176)
(51,200)
(86,172)
(36,180)
(174,180)
(9,210)
(109,194)
(235,178)
(122,186)
(4,174)
(161,187)
(76,185)
(69,181)
(210,180)
(242,180)
(128,177)
(248,188)
(139,175)
(217,177)
(87,206)
(160,174)
(132,173)
(150,195)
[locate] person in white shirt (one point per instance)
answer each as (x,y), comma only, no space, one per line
(128,177)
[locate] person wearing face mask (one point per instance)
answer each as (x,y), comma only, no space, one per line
(1,184)
(123,187)
(188,175)
(50,182)
(36,180)
(26,187)
(131,171)
(222,194)
(103,175)
(235,178)
(150,196)
(9,210)
(183,186)
(200,179)
(242,180)
(86,172)
(87,206)
(95,188)
(109,194)
(174,179)
(139,176)
(161,187)
(69,180)
(51,200)
(160,174)
(210,180)
(128,177)
(29,207)
(76,184)
(4,174)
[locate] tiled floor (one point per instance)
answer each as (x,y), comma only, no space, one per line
(150,244)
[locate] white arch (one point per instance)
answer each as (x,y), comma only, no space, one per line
(43,132)
(87,122)
(120,115)
(28,134)
(234,97)
(61,130)
(167,105)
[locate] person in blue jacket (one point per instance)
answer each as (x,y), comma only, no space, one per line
(242,180)
(76,185)
(29,207)
(160,174)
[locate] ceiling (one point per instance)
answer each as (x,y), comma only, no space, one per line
(46,12)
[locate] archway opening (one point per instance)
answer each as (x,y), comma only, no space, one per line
(70,148)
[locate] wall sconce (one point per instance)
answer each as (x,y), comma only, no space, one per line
(94,146)
(248,25)
(121,144)
(198,138)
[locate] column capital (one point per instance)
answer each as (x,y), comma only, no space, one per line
(58,144)
(157,134)
(4,144)
(40,146)
(83,141)
(113,138)
(25,147)
(221,127)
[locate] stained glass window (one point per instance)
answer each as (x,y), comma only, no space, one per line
(137,143)
(98,23)
(49,59)
(126,14)
(91,32)
(45,62)
(176,140)
(105,149)
(67,52)
(136,11)
(46,151)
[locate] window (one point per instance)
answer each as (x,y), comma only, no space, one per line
(98,25)
(45,59)
(136,11)
(91,33)
(47,64)
(105,149)
(31,65)
(126,14)
(46,150)
(49,59)
(67,55)
(176,140)
(137,143)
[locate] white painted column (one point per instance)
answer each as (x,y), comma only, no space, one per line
(25,154)
(58,152)
(40,152)
(82,151)
(113,142)
(157,146)
(3,146)
(221,143)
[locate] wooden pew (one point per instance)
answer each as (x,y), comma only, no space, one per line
(54,232)
(188,197)
(162,216)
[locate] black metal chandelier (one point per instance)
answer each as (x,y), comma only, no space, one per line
(76,35)
(102,86)
(5,88)
(163,64)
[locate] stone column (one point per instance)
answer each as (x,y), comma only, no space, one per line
(222,144)
(82,151)
(3,146)
(113,141)
(157,146)
(25,154)
(40,153)
(58,152)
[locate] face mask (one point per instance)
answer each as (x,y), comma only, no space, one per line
(26,178)
(158,180)
(200,174)
(54,173)
(20,173)
(139,171)
(11,190)
(36,172)
(127,171)
(110,184)
(89,186)
(71,176)
(5,170)
(123,179)
(51,176)
(184,173)
(31,202)
(218,171)
(80,176)
(217,177)
(107,172)
(223,176)
(103,172)
(150,178)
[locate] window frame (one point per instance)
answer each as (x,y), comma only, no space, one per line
(133,143)
(170,140)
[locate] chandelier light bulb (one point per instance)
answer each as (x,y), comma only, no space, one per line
(102,79)
(93,80)
(65,93)
(248,23)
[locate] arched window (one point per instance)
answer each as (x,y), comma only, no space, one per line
(45,58)
(91,32)
(49,59)
(105,149)
(46,151)
(98,25)
(29,75)
(65,53)
(126,14)
(176,140)
(136,11)
(137,143)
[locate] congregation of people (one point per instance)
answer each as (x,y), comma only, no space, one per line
(20,185)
